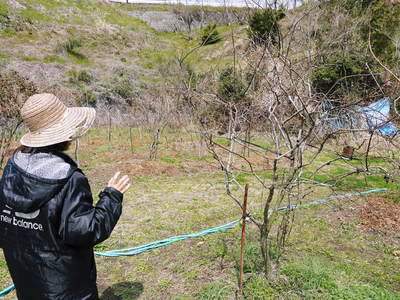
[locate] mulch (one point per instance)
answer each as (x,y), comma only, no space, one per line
(380,214)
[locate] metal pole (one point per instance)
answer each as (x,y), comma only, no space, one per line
(246,189)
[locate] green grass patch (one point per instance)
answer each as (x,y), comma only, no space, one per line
(154,58)
(336,176)
(7,33)
(53,59)
(258,288)
(120,18)
(216,291)
(48,4)
(34,15)
(242,178)
(394,196)
(253,260)
(81,60)
(222,141)
(262,142)
(170,160)
(314,278)
(30,58)
(4,10)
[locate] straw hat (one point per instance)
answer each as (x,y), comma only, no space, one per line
(51,122)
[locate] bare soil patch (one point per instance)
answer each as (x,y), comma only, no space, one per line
(380,214)
(136,167)
(373,214)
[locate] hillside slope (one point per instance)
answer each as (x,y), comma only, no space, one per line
(92,51)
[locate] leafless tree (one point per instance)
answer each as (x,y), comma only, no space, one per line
(155,110)
(293,129)
(14,90)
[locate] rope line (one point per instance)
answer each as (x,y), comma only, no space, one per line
(230,225)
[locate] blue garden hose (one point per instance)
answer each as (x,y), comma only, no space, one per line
(7,290)
(294,206)
(157,244)
(140,249)
(230,225)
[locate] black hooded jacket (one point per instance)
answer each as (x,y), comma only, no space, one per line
(48,228)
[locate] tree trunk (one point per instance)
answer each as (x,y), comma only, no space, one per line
(202,144)
(265,250)
(154,144)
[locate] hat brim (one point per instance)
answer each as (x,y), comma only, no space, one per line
(75,123)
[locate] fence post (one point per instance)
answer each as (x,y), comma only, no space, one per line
(131,138)
(76,152)
(246,190)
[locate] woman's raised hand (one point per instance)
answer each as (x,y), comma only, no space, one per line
(119,183)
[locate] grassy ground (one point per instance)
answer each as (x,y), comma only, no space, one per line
(331,253)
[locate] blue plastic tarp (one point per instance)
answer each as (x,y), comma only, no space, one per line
(373,117)
(378,116)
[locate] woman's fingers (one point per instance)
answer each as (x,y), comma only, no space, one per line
(125,188)
(120,184)
(124,184)
(113,179)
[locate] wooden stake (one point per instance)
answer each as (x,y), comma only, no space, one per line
(246,189)
(131,138)
(76,151)
(109,128)
(140,132)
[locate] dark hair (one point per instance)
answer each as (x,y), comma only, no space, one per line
(63,146)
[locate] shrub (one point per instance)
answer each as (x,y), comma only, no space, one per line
(341,76)
(70,47)
(85,76)
(10,22)
(87,98)
(209,34)
(258,288)
(378,24)
(124,89)
(107,98)
(231,88)
(78,77)
(4,7)
(12,87)
(264,27)
(383,25)
(14,90)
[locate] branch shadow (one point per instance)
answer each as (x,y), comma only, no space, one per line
(122,290)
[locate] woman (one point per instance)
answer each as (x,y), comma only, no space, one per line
(48,225)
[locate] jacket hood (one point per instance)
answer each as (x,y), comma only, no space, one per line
(25,192)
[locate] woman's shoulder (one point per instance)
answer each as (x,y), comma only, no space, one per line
(44,164)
